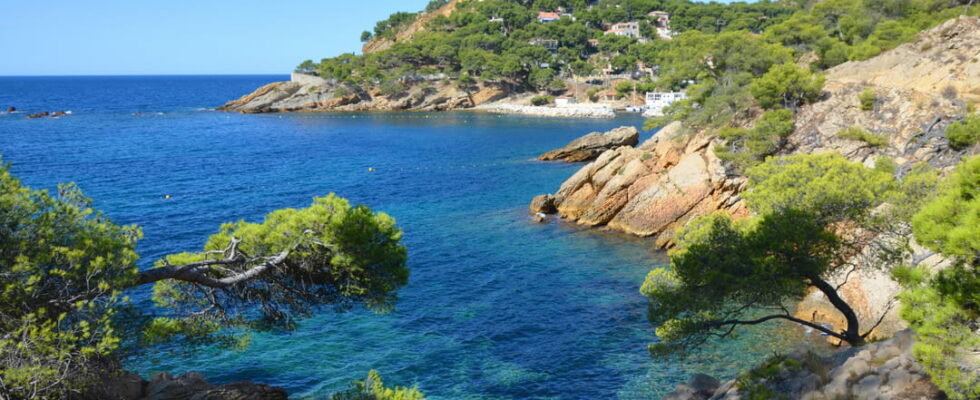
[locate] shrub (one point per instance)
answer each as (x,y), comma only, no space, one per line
(373,388)
(965,133)
(542,100)
(748,147)
(868,97)
(787,85)
(392,88)
(341,91)
(861,134)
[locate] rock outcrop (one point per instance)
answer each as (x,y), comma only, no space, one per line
(652,189)
(187,386)
(921,88)
(882,370)
(588,147)
(417,95)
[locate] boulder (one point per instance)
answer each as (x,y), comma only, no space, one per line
(187,386)
(242,391)
(874,371)
(11,109)
(544,203)
(589,147)
(704,384)
(122,386)
(38,115)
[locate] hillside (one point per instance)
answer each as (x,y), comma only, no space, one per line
(378,44)
(921,88)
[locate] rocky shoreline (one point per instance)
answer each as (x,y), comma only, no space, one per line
(653,189)
(542,111)
(189,385)
(883,370)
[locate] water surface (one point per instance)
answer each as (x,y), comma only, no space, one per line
(498,307)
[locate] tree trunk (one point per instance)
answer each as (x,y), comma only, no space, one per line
(852,334)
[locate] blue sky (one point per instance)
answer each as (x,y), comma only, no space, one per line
(125,37)
(121,37)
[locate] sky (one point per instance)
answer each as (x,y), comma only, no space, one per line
(134,37)
(139,37)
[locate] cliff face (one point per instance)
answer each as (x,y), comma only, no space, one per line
(437,95)
(406,33)
(922,87)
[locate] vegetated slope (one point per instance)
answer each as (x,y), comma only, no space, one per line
(415,64)
(677,175)
(406,33)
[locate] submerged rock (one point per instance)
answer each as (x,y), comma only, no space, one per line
(589,147)
(187,386)
(11,109)
(39,115)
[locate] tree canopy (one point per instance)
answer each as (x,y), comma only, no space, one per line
(944,307)
(727,273)
(67,269)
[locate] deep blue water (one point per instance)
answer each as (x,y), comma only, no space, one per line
(498,307)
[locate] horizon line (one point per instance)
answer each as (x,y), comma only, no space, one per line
(134,75)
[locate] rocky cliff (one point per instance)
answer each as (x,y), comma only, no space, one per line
(921,88)
(417,95)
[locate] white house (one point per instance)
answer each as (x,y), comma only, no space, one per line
(565,101)
(657,101)
(661,21)
(628,29)
(544,17)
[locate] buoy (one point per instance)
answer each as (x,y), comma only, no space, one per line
(370,169)
(168,196)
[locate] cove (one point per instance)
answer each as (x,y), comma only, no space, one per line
(497,307)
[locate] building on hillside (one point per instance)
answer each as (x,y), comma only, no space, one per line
(594,43)
(608,95)
(497,19)
(565,101)
(661,21)
(657,101)
(544,17)
(628,29)
(642,70)
(550,44)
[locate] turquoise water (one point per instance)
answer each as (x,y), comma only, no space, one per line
(498,307)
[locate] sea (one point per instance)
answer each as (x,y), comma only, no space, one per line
(498,306)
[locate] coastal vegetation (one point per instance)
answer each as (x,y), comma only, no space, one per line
(727,272)
(65,312)
(943,307)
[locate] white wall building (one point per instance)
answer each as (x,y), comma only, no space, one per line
(628,29)
(565,101)
(657,101)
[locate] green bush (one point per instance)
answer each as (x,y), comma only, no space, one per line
(787,85)
(747,147)
(868,97)
(542,100)
(373,388)
(861,134)
(392,88)
(965,133)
